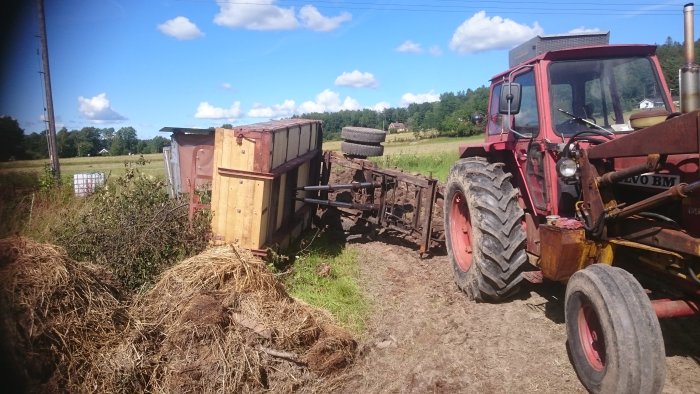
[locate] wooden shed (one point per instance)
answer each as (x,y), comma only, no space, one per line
(257,169)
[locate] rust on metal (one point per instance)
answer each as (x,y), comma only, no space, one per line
(673,193)
(533,276)
(665,308)
(680,135)
(652,164)
(388,198)
(653,233)
(564,251)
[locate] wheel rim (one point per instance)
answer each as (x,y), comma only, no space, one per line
(591,336)
(461,232)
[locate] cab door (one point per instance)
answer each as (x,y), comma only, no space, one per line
(530,148)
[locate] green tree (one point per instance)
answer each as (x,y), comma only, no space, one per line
(158,143)
(12,139)
(35,146)
(124,141)
(65,143)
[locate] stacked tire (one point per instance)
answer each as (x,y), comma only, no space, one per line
(362,142)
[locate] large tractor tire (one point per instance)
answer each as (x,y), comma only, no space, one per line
(483,230)
(614,336)
(360,150)
(362,135)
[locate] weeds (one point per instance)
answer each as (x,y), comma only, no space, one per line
(326,276)
(133,227)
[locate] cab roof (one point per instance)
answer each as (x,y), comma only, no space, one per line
(590,52)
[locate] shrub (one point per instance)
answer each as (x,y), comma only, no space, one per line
(134,228)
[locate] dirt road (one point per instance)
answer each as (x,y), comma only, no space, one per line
(424,335)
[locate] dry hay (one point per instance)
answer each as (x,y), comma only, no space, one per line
(221,322)
(217,322)
(55,316)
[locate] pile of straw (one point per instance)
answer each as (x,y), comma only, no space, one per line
(217,322)
(55,315)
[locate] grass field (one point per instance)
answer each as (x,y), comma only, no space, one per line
(111,165)
(400,150)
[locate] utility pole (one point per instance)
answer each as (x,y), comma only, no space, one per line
(53,152)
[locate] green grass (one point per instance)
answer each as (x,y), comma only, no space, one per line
(433,157)
(338,291)
(111,165)
(436,165)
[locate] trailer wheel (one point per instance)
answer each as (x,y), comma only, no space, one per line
(360,150)
(613,335)
(483,230)
(364,135)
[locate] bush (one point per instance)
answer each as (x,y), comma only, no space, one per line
(134,228)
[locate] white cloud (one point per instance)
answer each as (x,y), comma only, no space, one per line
(409,46)
(265,15)
(328,101)
(435,50)
(584,30)
(350,104)
(226,86)
(262,15)
(283,110)
(481,33)
(410,98)
(98,109)
(356,79)
(180,28)
(208,111)
(381,106)
(312,19)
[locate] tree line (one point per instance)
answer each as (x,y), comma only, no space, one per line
(88,141)
(453,114)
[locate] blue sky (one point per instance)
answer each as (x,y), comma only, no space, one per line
(200,63)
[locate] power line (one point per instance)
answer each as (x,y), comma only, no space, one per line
(528,8)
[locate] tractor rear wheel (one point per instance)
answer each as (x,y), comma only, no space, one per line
(614,337)
(483,230)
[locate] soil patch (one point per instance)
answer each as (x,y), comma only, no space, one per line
(426,336)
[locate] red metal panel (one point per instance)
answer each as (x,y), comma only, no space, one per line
(676,136)
(187,147)
(674,308)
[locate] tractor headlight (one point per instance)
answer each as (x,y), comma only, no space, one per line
(567,167)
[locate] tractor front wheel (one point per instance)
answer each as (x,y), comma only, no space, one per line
(614,337)
(483,230)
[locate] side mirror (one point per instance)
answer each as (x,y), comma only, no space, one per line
(509,101)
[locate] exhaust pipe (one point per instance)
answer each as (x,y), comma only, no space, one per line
(689,77)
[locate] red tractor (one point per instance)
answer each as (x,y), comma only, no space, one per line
(588,176)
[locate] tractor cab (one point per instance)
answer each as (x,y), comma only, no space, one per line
(540,103)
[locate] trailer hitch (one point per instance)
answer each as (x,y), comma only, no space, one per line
(387,198)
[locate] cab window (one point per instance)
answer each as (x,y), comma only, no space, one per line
(527,121)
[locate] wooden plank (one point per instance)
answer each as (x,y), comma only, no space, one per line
(302,180)
(293,143)
(242,157)
(280,201)
(314,136)
(230,220)
(245,212)
(272,209)
(304,139)
(279,150)
(261,195)
(221,193)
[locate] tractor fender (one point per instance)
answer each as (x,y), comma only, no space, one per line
(481,149)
